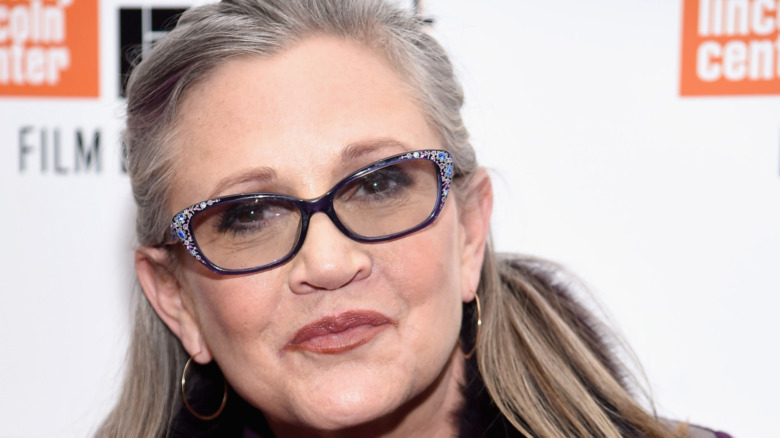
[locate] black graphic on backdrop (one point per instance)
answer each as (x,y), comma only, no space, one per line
(58,151)
(139,28)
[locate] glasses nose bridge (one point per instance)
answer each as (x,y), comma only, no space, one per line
(323,204)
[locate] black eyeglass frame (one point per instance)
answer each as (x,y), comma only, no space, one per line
(181,224)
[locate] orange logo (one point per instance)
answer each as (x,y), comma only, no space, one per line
(49,48)
(730,47)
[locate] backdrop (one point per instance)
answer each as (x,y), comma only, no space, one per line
(634,141)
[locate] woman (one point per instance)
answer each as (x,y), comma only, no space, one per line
(386,315)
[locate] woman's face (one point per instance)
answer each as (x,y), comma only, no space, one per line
(297,123)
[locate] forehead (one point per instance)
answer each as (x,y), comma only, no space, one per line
(293,114)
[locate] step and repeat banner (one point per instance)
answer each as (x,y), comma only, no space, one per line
(635,142)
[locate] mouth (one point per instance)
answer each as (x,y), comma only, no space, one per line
(339,333)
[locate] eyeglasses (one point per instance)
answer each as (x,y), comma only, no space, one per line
(385,200)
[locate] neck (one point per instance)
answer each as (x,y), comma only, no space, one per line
(432,413)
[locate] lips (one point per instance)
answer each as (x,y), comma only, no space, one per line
(339,333)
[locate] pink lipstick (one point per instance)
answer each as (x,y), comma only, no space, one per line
(339,333)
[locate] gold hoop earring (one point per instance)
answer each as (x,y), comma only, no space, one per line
(479,324)
(187,403)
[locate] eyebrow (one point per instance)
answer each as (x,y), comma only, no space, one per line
(358,149)
(266,174)
(263,174)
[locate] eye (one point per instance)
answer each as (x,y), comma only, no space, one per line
(384,183)
(253,216)
(248,215)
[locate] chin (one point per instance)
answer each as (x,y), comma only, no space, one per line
(350,409)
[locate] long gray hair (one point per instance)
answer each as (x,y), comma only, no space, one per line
(543,363)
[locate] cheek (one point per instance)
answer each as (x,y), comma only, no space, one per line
(234,313)
(240,322)
(428,272)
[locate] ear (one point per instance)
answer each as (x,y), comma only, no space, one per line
(155,272)
(475,212)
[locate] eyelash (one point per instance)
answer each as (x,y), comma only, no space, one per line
(396,177)
(230,220)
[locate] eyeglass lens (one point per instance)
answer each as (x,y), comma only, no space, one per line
(249,232)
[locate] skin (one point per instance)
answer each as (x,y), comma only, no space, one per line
(296,123)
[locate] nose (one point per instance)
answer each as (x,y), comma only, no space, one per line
(328,260)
